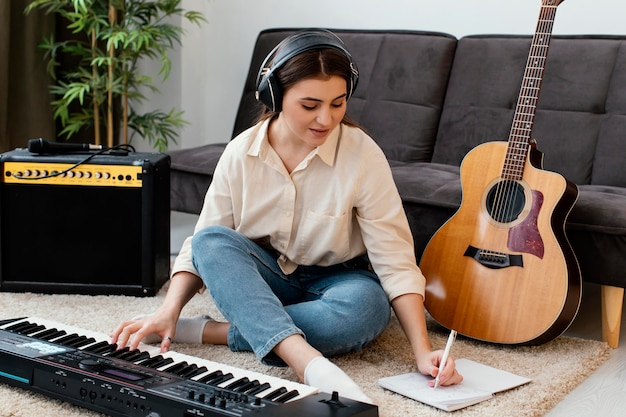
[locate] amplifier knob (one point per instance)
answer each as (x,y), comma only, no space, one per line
(90,365)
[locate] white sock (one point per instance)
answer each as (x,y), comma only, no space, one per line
(188,330)
(328,377)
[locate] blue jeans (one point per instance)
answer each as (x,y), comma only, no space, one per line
(338,309)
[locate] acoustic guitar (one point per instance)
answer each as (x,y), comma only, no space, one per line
(501,268)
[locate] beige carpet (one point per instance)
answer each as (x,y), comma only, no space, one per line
(556,367)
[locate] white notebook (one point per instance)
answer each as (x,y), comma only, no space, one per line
(480,382)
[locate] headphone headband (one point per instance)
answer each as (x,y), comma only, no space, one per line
(269,91)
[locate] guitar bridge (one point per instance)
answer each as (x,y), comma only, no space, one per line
(493,260)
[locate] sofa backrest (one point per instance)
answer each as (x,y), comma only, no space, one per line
(403,77)
(580,123)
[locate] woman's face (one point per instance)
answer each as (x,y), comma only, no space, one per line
(312,108)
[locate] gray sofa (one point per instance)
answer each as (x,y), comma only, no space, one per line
(428,98)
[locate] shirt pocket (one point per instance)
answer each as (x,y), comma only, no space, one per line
(325,239)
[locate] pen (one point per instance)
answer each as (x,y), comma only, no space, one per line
(444,358)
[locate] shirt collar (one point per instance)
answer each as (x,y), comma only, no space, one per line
(326,152)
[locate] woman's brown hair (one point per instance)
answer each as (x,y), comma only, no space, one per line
(318,64)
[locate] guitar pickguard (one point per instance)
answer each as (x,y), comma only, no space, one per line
(525,236)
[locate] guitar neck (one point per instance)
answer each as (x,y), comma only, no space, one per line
(523,120)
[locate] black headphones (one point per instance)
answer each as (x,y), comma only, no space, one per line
(268,88)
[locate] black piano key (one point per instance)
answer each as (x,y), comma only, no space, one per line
(186,369)
(142,355)
(194,372)
(45,333)
(33,329)
(259,388)
(150,361)
(275,394)
(197,371)
(287,396)
(65,339)
(81,341)
(98,347)
(118,352)
(17,328)
(176,367)
(210,376)
(130,355)
(162,362)
(7,321)
(237,383)
(222,378)
(103,349)
(247,386)
(51,334)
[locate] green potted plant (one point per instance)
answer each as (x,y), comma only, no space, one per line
(103,88)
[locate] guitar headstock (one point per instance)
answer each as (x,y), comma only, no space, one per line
(551,2)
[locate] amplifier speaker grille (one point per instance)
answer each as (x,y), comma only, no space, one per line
(103,229)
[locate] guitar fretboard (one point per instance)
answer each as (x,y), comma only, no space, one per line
(525,110)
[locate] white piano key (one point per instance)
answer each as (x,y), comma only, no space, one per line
(275,382)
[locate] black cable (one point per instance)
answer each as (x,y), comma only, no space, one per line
(121,146)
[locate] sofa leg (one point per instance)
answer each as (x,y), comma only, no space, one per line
(612,300)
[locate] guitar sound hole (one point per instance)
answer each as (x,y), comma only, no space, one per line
(505,201)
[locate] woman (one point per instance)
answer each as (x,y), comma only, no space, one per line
(302,241)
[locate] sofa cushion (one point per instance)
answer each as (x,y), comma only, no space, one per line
(403,76)
(580,116)
(409,94)
(190,175)
(398,101)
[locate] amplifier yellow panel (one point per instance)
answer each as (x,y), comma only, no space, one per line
(60,174)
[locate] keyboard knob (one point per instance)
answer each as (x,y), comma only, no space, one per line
(92,365)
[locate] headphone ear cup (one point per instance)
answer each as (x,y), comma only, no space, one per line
(269,92)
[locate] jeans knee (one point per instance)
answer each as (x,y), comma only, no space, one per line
(360,312)
(212,237)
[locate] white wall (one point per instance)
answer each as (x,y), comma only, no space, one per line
(215,57)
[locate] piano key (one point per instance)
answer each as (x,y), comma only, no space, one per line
(193,371)
(176,367)
(209,376)
(275,394)
(287,396)
(274,382)
(139,355)
(119,352)
(46,334)
(204,370)
(260,388)
(100,347)
(17,327)
(82,341)
(130,355)
(221,379)
(65,340)
(248,386)
(151,362)
(162,363)
(34,328)
(238,383)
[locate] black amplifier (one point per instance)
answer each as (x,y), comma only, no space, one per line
(84,223)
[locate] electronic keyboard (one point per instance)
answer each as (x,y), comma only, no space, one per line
(83,368)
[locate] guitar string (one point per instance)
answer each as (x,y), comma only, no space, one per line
(505,199)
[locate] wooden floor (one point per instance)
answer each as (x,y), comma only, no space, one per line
(602,394)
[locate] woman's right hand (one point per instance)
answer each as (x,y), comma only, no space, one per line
(182,287)
(130,333)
